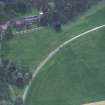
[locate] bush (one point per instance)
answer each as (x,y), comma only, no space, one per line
(14,74)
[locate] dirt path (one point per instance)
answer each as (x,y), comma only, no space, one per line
(97,103)
(52,54)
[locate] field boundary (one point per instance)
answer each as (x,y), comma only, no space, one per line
(28,31)
(51,54)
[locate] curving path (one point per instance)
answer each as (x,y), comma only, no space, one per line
(52,54)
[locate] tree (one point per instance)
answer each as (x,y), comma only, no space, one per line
(41,5)
(20,6)
(44,19)
(55,21)
(3,15)
(8,33)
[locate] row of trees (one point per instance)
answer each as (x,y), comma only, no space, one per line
(57,12)
(10,72)
(67,9)
(13,8)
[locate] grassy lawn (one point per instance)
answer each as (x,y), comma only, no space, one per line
(76,75)
(30,49)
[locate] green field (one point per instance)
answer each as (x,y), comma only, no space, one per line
(76,74)
(30,49)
